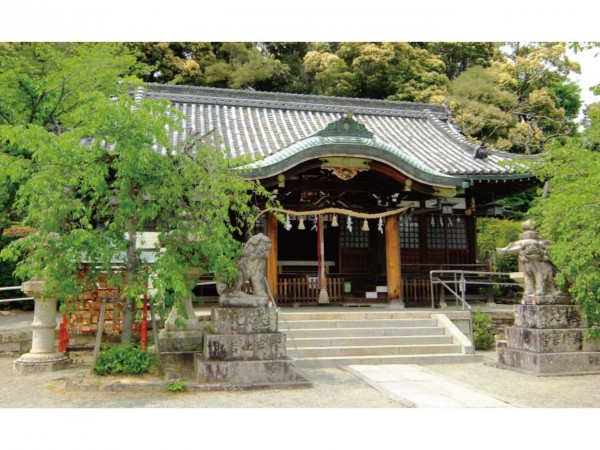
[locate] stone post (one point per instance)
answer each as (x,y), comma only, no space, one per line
(188,337)
(43,356)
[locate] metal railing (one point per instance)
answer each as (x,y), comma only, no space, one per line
(13,288)
(457,279)
(271,298)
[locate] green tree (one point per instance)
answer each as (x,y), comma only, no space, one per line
(42,86)
(460,56)
(91,197)
(481,106)
(395,71)
(237,65)
(90,178)
(570,217)
(522,101)
(328,74)
(291,55)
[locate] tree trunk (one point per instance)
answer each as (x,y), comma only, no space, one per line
(130,274)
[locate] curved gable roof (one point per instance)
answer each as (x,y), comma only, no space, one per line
(273,127)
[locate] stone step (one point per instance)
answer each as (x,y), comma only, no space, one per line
(332,338)
(332,361)
(382,350)
(299,343)
(364,323)
(360,332)
(352,315)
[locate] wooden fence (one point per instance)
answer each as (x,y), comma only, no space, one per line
(305,289)
(416,290)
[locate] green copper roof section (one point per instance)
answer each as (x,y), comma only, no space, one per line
(346,137)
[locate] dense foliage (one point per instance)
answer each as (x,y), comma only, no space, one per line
(495,233)
(570,216)
(522,101)
(88,190)
(43,87)
(483,339)
(124,359)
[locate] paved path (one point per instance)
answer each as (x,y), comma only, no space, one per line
(416,387)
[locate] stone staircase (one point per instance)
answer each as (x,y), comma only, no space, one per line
(330,339)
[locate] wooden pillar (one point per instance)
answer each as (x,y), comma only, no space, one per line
(272,226)
(392,260)
(323,295)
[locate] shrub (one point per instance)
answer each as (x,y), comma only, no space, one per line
(482,336)
(492,234)
(126,359)
(177,386)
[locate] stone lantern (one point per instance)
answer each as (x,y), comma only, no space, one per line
(43,355)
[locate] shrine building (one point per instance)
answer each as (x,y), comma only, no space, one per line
(374,193)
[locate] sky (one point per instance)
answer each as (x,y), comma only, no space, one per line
(590,73)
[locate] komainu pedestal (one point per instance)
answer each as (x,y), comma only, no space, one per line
(244,348)
(548,339)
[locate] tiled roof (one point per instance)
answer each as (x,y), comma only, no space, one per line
(264,124)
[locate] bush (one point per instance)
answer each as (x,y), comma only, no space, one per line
(482,336)
(177,386)
(496,233)
(126,359)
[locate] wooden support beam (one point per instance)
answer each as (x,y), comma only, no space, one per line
(323,295)
(272,226)
(392,259)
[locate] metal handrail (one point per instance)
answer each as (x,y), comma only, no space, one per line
(458,297)
(269,292)
(461,283)
(13,288)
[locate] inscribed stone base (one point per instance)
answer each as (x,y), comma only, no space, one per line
(549,363)
(180,341)
(547,341)
(244,348)
(254,346)
(548,316)
(244,320)
(41,362)
(244,372)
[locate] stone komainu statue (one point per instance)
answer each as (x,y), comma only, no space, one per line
(251,267)
(537,268)
(534,263)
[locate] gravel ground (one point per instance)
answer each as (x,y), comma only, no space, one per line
(361,413)
(332,388)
